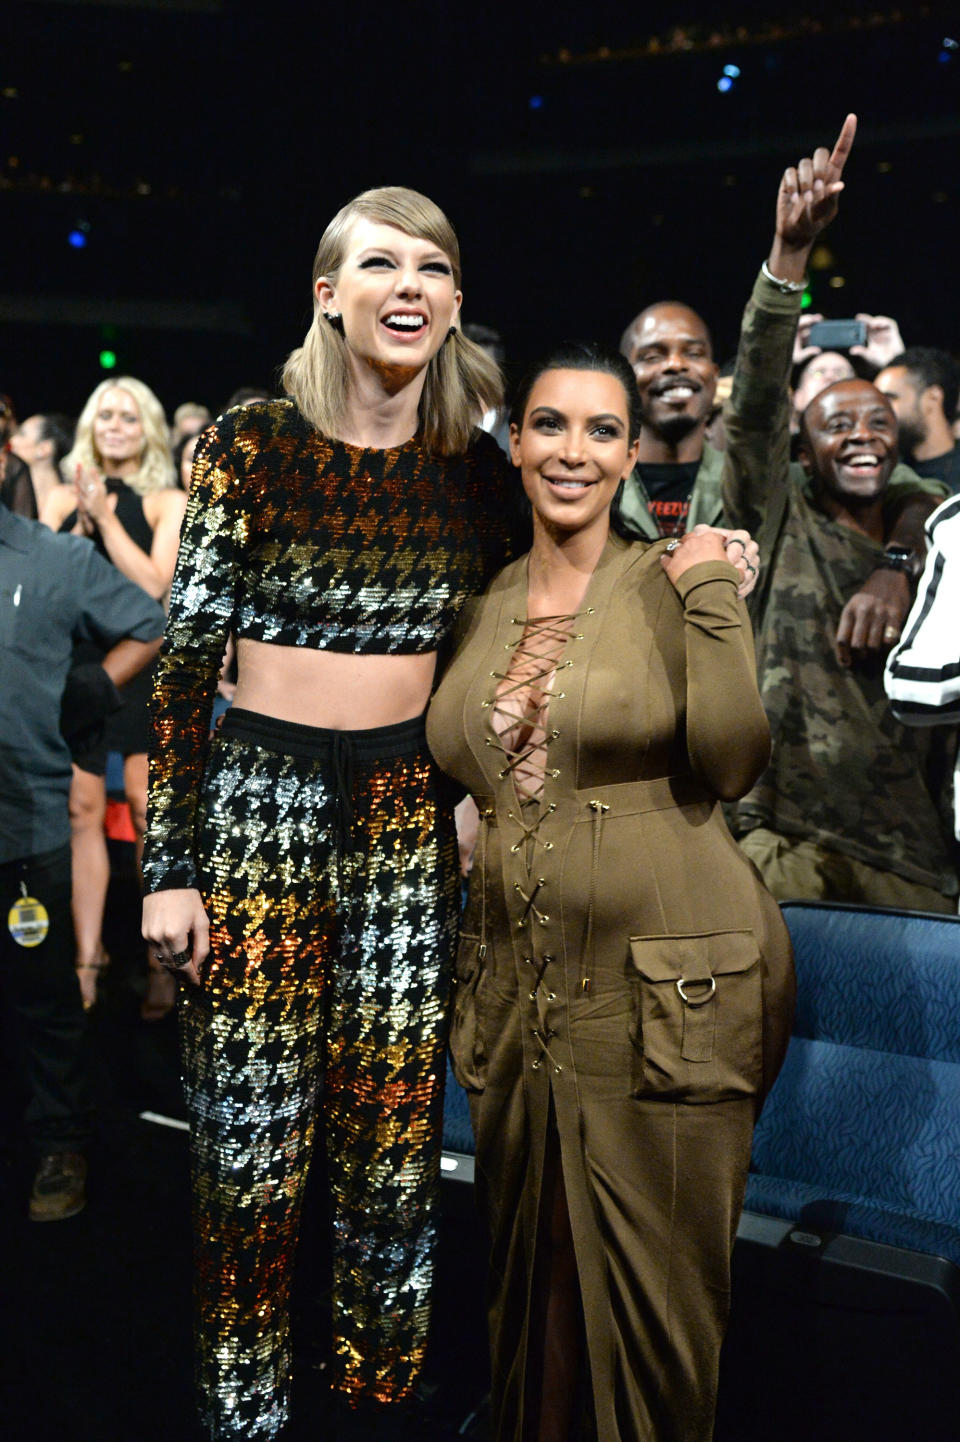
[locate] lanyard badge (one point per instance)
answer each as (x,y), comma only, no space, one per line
(27,920)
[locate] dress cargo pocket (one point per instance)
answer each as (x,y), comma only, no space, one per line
(466,1034)
(699,1028)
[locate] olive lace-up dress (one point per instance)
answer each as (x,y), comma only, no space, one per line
(624,981)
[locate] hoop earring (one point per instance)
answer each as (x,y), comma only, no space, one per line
(335,318)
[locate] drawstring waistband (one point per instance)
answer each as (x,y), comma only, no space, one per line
(343,774)
(341,749)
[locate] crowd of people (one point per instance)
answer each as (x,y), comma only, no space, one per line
(375,605)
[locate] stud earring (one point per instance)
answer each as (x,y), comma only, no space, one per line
(335,318)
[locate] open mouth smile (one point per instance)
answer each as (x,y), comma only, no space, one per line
(407,324)
(569,484)
(861,463)
(676,391)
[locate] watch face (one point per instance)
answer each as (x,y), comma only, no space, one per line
(899,558)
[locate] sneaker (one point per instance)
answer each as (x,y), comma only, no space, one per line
(58,1187)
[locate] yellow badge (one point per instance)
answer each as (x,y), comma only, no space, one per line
(28,921)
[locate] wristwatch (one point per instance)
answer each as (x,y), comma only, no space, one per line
(901,558)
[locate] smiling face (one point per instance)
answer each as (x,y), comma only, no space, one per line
(396,295)
(118,438)
(675,370)
(849,444)
(573,448)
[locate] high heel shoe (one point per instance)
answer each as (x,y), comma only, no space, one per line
(90,975)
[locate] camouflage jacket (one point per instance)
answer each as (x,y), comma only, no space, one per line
(844,773)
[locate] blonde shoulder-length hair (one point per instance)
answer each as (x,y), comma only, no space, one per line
(462,382)
(156,472)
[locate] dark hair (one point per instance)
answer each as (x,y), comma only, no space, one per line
(59,429)
(488,339)
(178,451)
(930,367)
(245,394)
(582,356)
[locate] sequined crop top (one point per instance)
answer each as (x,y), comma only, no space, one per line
(295,539)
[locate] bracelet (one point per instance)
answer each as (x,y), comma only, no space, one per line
(788,287)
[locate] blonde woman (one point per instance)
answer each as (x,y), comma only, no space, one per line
(120,492)
(302,866)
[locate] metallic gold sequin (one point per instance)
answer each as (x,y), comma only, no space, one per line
(328,968)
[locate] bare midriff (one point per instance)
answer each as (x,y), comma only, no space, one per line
(332,689)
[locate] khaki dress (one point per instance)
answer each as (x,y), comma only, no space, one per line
(624,981)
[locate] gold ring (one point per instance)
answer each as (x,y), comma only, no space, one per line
(890,633)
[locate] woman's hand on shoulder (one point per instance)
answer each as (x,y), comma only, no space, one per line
(714,543)
(175,925)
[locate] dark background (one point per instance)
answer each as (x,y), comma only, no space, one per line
(202,145)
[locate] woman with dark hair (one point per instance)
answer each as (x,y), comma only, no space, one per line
(624,981)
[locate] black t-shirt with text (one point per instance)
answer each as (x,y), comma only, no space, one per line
(669,487)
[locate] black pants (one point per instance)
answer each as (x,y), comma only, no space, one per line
(42,999)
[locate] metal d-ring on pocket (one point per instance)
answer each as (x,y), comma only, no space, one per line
(697,1001)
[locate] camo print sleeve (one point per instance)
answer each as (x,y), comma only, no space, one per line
(202,606)
(757,417)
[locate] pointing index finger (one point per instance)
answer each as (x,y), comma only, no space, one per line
(844,143)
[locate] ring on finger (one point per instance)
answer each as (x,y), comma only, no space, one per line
(890,633)
(750,569)
(673,545)
(178,959)
(735,541)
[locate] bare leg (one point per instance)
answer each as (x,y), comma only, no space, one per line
(556,1340)
(135,787)
(91,875)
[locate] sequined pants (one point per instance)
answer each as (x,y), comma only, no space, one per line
(328,868)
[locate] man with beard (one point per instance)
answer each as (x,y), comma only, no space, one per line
(922,385)
(679,479)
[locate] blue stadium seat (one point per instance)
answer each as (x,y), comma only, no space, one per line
(847,1265)
(458,1144)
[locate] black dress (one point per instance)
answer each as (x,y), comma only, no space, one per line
(127,729)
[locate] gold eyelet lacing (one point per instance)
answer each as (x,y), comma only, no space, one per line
(524,693)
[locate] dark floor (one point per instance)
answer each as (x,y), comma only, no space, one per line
(97,1309)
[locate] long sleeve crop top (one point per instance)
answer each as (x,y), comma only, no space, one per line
(298,540)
